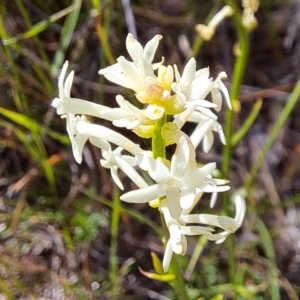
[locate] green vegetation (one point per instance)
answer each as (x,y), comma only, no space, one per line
(63,228)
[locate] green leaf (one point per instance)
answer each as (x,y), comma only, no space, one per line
(40,26)
(34,145)
(267,243)
(65,37)
(33,126)
(157,264)
(160,277)
(247,124)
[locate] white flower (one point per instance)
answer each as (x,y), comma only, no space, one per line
(194,86)
(206,124)
(178,228)
(180,182)
(207,32)
(127,115)
(114,160)
(64,104)
(229,225)
(102,133)
(132,74)
(77,140)
(177,242)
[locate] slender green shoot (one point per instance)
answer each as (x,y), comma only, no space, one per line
(113,258)
(287,110)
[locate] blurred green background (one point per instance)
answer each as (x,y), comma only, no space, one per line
(61,235)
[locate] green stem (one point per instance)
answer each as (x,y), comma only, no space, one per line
(113,272)
(197,45)
(291,102)
(238,75)
(158,143)
(237,136)
(159,150)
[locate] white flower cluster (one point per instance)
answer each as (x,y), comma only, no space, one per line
(178,183)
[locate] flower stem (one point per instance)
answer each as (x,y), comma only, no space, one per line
(113,263)
(238,75)
(158,143)
(159,150)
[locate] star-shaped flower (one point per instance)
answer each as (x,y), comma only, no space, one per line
(77,140)
(132,74)
(114,160)
(206,124)
(179,228)
(65,104)
(193,87)
(229,225)
(180,181)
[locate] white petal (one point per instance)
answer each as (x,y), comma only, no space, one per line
(189,72)
(176,73)
(154,112)
(115,114)
(207,114)
(78,143)
(224,90)
(240,207)
(130,160)
(151,46)
(196,230)
(100,143)
(77,106)
(178,240)
(199,132)
(218,237)
(121,79)
(208,168)
(61,79)
(181,118)
(211,188)
(203,103)
(199,89)
(77,140)
(173,195)
(217,181)
(157,170)
(196,200)
(145,68)
(144,195)
(68,84)
(167,257)
(102,132)
(204,72)
(213,199)
(129,69)
(208,141)
(187,197)
(115,177)
(222,136)
(229,224)
(205,219)
(197,177)
(133,47)
(130,172)
(181,158)
(217,99)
